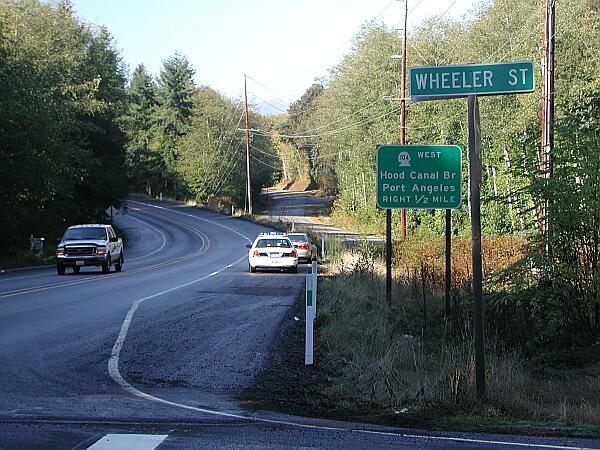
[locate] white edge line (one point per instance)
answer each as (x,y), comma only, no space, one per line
(113,370)
(478,441)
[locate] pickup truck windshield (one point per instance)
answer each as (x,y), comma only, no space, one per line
(85,233)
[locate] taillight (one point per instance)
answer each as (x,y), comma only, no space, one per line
(256,253)
(303,246)
(293,254)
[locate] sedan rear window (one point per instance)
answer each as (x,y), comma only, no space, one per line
(265,243)
(297,237)
(85,233)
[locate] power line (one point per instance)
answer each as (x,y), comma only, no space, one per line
(231,117)
(264,163)
(326,133)
(263,152)
(301,136)
(215,189)
(229,174)
(306,69)
(439,18)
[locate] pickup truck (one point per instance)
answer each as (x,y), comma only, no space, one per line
(89,245)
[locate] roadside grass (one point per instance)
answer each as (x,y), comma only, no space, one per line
(26,258)
(407,359)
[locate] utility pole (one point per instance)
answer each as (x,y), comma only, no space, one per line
(403,111)
(388,212)
(249,194)
(547,144)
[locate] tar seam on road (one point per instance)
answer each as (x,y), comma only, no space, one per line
(113,369)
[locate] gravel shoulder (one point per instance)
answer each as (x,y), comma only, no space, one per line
(285,384)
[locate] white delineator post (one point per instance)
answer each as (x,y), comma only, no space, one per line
(311,313)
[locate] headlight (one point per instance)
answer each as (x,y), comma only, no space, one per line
(60,251)
(100,250)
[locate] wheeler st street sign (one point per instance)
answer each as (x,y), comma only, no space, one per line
(441,82)
(419,176)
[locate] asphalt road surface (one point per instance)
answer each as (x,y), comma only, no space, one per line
(153,357)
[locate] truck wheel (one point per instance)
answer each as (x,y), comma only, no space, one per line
(76,269)
(106,266)
(60,269)
(119,263)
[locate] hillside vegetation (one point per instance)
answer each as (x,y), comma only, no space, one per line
(77,133)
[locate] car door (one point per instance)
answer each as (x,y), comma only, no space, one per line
(112,246)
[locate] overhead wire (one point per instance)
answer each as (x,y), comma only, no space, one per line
(326,133)
(232,116)
(306,134)
(263,152)
(263,162)
(225,178)
(334,52)
(508,41)
(217,185)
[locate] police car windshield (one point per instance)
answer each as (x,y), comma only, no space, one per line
(265,243)
(85,233)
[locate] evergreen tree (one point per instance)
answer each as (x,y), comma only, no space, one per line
(175,90)
(146,166)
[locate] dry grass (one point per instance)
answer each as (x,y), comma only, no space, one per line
(405,357)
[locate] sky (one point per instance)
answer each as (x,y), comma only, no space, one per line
(281,45)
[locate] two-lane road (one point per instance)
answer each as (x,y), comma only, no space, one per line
(159,351)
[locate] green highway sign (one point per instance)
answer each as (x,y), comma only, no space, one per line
(419,176)
(441,82)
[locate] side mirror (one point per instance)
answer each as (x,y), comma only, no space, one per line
(58,240)
(248,245)
(114,239)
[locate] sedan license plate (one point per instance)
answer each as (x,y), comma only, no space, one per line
(276,255)
(79,263)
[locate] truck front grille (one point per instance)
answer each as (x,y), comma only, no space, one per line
(80,251)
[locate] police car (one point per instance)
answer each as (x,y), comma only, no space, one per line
(273,250)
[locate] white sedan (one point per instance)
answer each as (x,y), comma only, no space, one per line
(272,251)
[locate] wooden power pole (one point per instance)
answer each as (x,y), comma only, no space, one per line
(403,111)
(249,194)
(547,144)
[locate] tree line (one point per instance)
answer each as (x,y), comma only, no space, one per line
(78,135)
(340,120)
